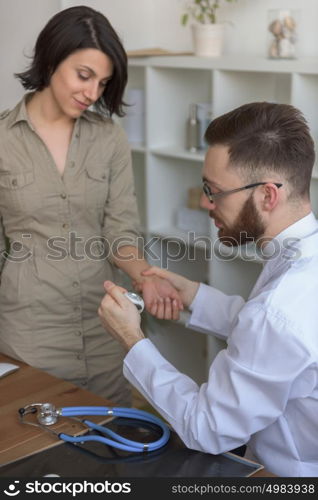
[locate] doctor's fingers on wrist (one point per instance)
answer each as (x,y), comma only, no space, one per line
(176,280)
(157,271)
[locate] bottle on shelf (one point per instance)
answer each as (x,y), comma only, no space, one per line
(204,115)
(193,130)
(134,120)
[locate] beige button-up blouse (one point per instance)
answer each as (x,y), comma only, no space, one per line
(62,233)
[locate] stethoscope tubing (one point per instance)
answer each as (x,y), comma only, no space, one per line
(116,440)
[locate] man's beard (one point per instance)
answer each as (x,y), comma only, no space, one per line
(248,227)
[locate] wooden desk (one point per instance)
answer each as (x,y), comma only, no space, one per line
(263,473)
(29,385)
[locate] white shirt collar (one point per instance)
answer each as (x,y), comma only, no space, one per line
(303,227)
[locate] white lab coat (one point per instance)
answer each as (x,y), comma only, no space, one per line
(263,389)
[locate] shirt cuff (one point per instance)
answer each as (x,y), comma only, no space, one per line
(198,296)
(213,311)
(142,349)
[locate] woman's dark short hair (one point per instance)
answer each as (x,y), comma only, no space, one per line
(71,30)
(265,137)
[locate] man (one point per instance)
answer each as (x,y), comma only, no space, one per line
(263,389)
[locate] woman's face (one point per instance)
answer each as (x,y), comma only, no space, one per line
(80,80)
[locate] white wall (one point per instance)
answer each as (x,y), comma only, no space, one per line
(126,16)
(152,23)
(20,23)
(144,23)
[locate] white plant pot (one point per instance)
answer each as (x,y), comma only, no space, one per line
(208,39)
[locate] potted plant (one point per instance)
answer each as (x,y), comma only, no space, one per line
(207,33)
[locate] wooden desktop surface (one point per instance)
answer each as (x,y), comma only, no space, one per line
(30,385)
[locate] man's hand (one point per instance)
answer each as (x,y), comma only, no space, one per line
(119,316)
(186,289)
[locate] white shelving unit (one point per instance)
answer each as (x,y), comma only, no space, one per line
(165,170)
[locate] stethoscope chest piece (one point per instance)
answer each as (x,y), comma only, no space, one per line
(47,414)
(136,299)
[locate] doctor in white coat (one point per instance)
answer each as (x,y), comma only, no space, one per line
(262,390)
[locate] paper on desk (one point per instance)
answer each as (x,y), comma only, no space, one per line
(7,368)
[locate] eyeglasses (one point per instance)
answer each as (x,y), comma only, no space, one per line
(215,196)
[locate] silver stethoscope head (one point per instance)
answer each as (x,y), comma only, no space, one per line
(136,299)
(47,414)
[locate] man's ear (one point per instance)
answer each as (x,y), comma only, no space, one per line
(270,197)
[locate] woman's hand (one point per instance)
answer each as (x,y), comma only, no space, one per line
(161,299)
(119,316)
(186,289)
(165,293)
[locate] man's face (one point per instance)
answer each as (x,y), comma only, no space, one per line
(248,226)
(236,215)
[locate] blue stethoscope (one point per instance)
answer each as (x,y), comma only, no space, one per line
(48,415)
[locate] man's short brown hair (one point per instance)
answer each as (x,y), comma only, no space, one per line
(265,137)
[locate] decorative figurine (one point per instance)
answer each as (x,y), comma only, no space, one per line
(283,43)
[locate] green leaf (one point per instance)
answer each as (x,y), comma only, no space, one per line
(184,19)
(202,10)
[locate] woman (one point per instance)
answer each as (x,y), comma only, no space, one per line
(68,208)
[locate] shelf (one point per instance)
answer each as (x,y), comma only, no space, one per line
(165,172)
(178,152)
(137,147)
(306,65)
